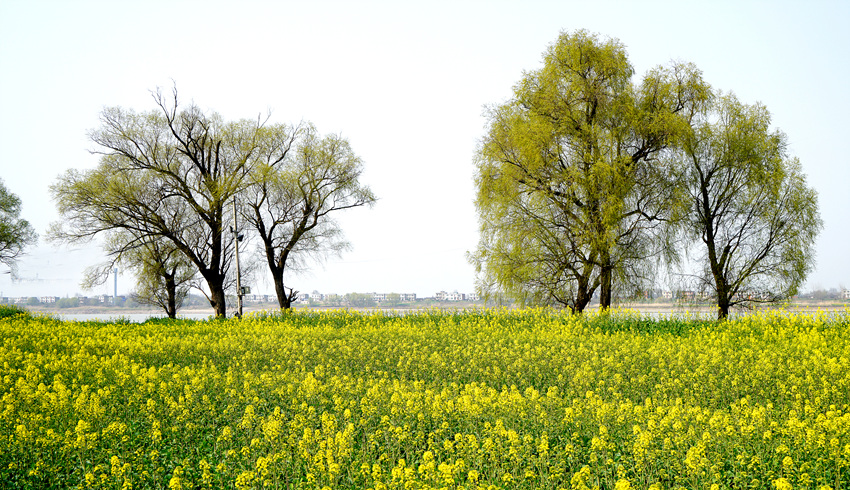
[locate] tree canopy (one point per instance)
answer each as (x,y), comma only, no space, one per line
(570,183)
(163,194)
(751,209)
(163,274)
(291,200)
(15,232)
(588,182)
(166,174)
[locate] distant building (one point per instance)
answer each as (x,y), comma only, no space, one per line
(455,296)
(401,297)
(257,298)
(845,294)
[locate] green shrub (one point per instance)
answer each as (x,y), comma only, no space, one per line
(7,311)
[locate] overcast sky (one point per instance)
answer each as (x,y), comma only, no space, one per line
(405,82)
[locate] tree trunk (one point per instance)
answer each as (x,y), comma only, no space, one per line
(171,293)
(277,265)
(605,286)
(582,299)
(217,299)
(716,263)
(583,293)
(720,286)
(282,298)
(722,302)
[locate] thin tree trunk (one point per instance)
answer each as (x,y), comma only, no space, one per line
(720,285)
(171,292)
(277,266)
(714,262)
(722,302)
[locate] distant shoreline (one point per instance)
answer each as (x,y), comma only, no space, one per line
(650,308)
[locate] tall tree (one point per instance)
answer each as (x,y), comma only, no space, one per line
(752,210)
(167,174)
(571,183)
(304,180)
(533,246)
(15,232)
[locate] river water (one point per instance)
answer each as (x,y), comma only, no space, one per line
(656,313)
(133,317)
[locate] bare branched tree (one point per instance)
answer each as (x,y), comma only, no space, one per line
(305,180)
(168,175)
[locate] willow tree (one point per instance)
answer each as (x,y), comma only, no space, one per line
(169,174)
(295,194)
(571,183)
(751,209)
(163,274)
(534,246)
(15,233)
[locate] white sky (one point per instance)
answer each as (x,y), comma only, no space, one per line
(405,82)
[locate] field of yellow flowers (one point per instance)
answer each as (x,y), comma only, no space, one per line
(480,399)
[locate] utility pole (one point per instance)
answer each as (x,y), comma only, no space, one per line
(236,238)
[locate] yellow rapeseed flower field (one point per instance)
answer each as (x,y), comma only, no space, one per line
(431,400)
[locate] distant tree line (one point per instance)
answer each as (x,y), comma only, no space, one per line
(590,183)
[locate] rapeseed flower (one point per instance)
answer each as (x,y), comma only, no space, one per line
(492,398)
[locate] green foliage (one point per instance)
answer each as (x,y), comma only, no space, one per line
(67,302)
(305,180)
(586,182)
(7,311)
(15,233)
(752,211)
(393,299)
(571,194)
(163,197)
(164,275)
(359,300)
